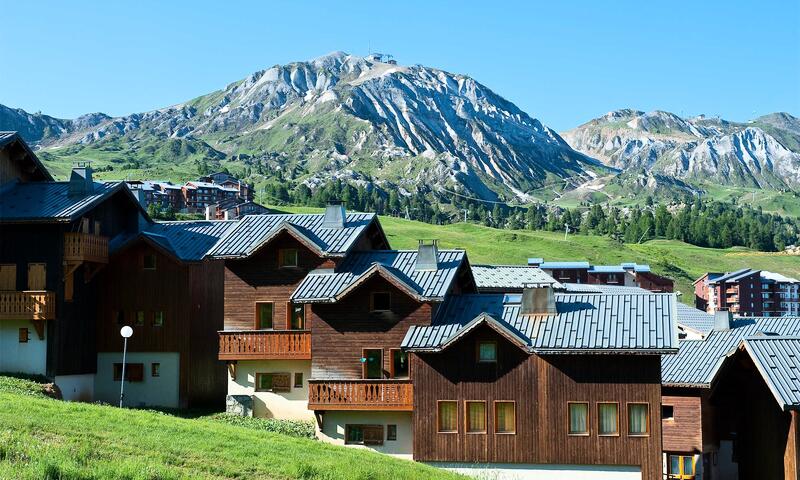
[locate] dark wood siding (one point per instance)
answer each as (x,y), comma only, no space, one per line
(541,388)
(683,433)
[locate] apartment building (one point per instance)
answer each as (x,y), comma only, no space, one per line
(748,292)
(629,274)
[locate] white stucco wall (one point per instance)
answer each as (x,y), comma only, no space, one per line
(510,471)
(76,388)
(161,391)
(15,357)
(292,405)
(333,429)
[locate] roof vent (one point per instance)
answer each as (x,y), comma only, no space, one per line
(80,181)
(538,301)
(334,215)
(427,256)
(722,320)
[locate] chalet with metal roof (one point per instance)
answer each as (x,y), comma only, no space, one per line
(18,162)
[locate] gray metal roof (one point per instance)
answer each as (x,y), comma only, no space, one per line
(398,266)
(607,269)
(510,277)
(49,201)
(698,361)
(190,241)
(603,288)
(695,319)
(585,323)
(732,276)
(253,231)
(11,137)
(565,265)
(778,361)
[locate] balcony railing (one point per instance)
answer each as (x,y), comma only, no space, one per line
(85,247)
(30,305)
(265,345)
(360,395)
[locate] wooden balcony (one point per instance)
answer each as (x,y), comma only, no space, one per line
(360,395)
(85,247)
(265,345)
(28,305)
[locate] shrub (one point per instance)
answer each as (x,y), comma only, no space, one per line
(294,428)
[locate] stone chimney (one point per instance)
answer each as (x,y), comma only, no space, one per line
(427,256)
(80,180)
(722,320)
(334,215)
(211,212)
(538,301)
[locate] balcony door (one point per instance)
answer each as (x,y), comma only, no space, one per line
(372,363)
(36,276)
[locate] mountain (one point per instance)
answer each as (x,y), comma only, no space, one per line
(338,116)
(762,153)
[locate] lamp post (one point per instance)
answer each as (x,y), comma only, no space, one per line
(126,333)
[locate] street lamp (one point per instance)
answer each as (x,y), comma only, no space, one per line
(126,333)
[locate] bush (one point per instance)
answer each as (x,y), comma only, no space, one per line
(23,384)
(294,428)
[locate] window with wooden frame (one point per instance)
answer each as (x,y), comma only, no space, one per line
(372,363)
(8,277)
(638,419)
(97,226)
(287,257)
(119,317)
(447,416)
(273,382)
(380,302)
(486,351)
(363,434)
(391,432)
(84,225)
(399,365)
(297,316)
(149,261)
(667,412)
(139,320)
(608,419)
(578,418)
(134,372)
(24,335)
(155,369)
(159,318)
(475,413)
(298,380)
(37,276)
(505,417)
(264,315)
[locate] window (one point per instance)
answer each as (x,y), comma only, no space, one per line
(287,257)
(578,418)
(607,419)
(158,319)
(97,227)
(680,467)
(119,317)
(667,412)
(8,276)
(155,369)
(391,432)
(264,312)
(298,380)
(297,320)
(372,363)
(487,352)
(134,372)
(381,302)
(139,319)
(505,419)
(399,363)
(363,434)
(37,273)
(149,261)
(272,382)
(476,416)
(447,416)
(638,419)
(23,335)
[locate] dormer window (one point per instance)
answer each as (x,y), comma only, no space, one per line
(287,257)
(487,352)
(381,302)
(149,261)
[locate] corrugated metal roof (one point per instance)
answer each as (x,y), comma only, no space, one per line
(510,277)
(190,240)
(253,230)
(603,288)
(564,265)
(328,285)
(732,276)
(49,201)
(778,360)
(607,269)
(695,319)
(584,323)
(7,137)
(698,361)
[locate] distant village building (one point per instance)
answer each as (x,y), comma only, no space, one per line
(196,196)
(628,274)
(749,293)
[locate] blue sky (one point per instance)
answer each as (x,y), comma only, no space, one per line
(562,62)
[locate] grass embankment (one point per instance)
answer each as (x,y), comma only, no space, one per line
(42,438)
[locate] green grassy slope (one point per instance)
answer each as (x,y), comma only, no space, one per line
(45,438)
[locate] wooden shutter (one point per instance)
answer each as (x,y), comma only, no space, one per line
(373,434)
(8,276)
(36,276)
(134,372)
(280,382)
(85,225)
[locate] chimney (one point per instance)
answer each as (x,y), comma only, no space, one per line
(722,320)
(334,215)
(427,256)
(80,180)
(535,262)
(211,212)
(538,301)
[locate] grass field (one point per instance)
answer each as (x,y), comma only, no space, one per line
(42,438)
(677,260)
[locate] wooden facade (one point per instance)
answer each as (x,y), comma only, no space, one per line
(682,432)
(541,389)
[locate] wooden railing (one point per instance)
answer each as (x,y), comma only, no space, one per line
(265,345)
(360,395)
(85,247)
(30,305)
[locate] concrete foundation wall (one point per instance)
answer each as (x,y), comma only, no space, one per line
(291,405)
(507,471)
(16,357)
(334,422)
(76,388)
(161,391)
